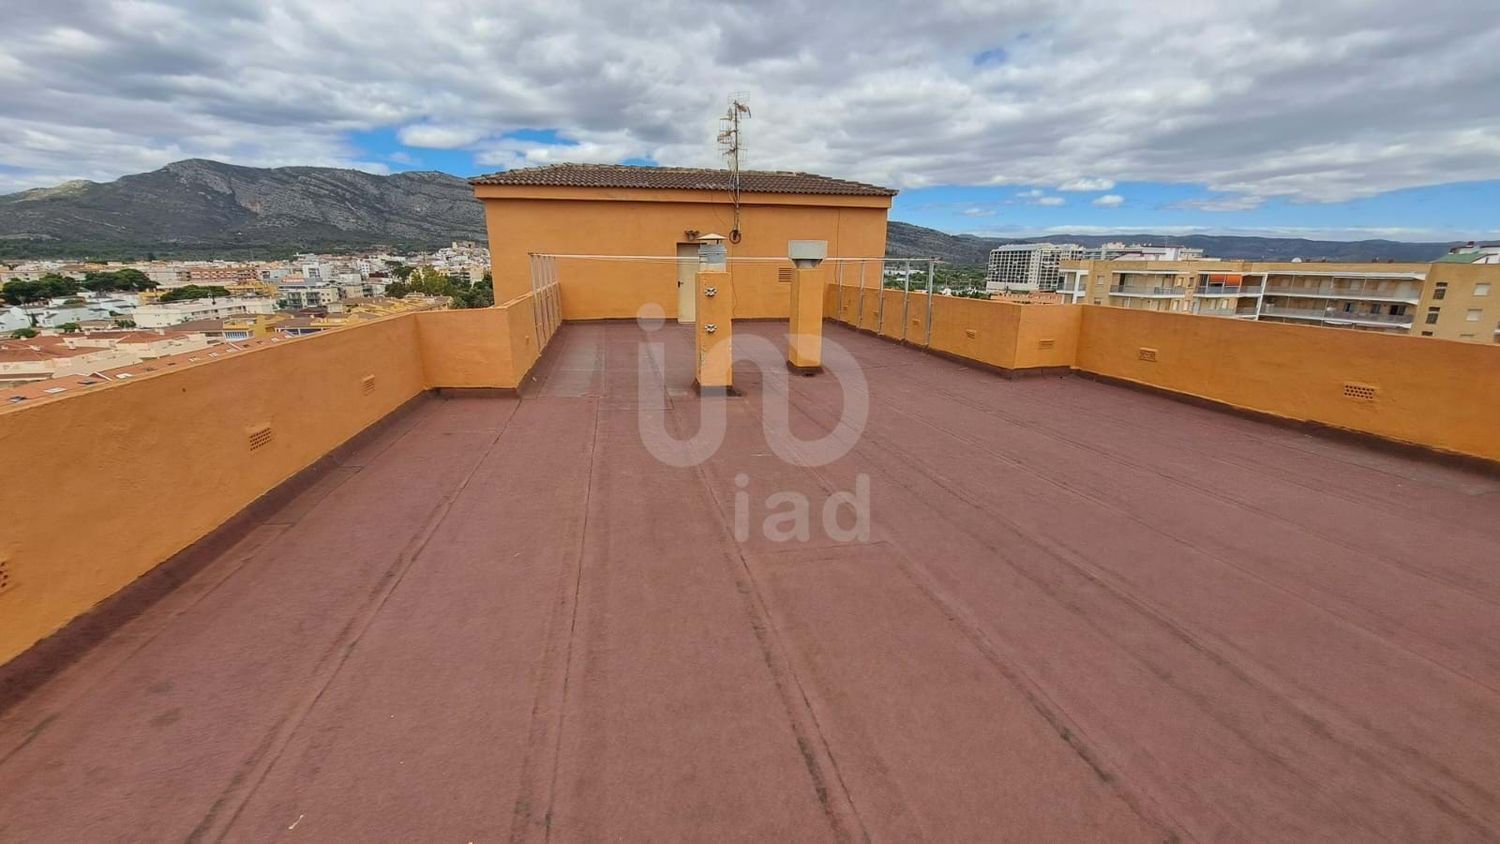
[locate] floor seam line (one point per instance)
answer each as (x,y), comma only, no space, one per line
(278,744)
(562,709)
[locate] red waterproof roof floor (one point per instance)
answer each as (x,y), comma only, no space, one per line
(1082,612)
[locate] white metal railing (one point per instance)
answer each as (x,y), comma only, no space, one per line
(546,298)
(1331,314)
(1127,290)
(922,271)
(1398,295)
(1228,290)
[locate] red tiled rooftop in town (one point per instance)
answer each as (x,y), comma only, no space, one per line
(1084,612)
(679,178)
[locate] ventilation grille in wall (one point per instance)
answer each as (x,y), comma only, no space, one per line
(1046,343)
(367,384)
(784,275)
(260,436)
(1146,354)
(6,580)
(1359,392)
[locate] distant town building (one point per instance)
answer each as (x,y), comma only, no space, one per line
(173,313)
(1472,253)
(1448,299)
(1142,252)
(1028,267)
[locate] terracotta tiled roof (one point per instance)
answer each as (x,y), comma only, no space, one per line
(678,178)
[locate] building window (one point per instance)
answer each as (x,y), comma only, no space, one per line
(1432,316)
(1426,333)
(1482,289)
(1441,291)
(1473,315)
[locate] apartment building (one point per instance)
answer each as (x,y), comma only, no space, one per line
(1143,252)
(1449,300)
(1029,267)
(307,295)
(173,313)
(221,274)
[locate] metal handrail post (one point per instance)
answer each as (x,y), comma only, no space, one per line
(930,267)
(905,298)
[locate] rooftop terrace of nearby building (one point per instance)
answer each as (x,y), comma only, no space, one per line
(1082,612)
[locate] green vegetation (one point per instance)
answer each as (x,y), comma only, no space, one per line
(430,282)
(193,291)
(23,333)
(957,280)
(127,279)
(49,286)
(70,328)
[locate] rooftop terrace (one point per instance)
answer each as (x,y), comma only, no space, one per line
(1083,612)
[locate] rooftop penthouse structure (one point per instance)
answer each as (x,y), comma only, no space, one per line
(1075,572)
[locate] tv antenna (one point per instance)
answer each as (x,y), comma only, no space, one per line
(731,146)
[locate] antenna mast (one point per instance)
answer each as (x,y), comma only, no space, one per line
(731,145)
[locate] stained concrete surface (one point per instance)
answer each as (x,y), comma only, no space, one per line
(1082,612)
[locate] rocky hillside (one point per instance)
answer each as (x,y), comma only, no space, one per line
(201,208)
(197,204)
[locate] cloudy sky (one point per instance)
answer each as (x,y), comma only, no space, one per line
(1341,118)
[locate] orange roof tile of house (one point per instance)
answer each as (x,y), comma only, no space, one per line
(678,178)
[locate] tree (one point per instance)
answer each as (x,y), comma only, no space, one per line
(24,333)
(126,279)
(397,289)
(49,286)
(401,271)
(193,291)
(124,323)
(70,328)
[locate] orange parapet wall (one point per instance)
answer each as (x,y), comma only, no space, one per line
(1441,394)
(136,471)
(1438,394)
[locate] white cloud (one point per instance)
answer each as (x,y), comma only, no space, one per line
(1052,201)
(1110,200)
(1256,100)
(1242,202)
(1087,185)
(977,212)
(438,137)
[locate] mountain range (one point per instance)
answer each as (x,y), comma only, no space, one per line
(200,208)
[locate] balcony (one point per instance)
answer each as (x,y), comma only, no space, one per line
(1330,292)
(1331,315)
(475,614)
(1148,292)
(1217,290)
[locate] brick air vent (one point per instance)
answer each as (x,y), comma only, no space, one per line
(1046,343)
(260,436)
(367,384)
(1148,355)
(6,580)
(1359,392)
(784,275)
(971,333)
